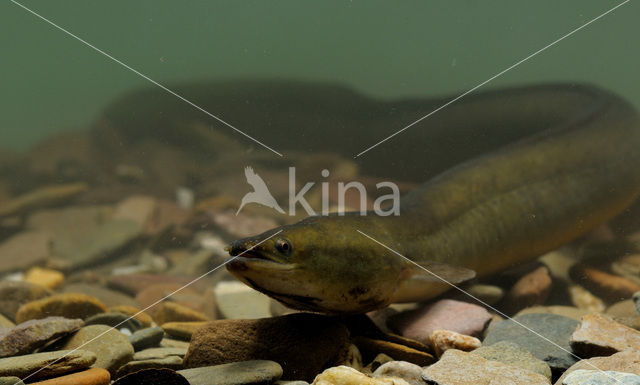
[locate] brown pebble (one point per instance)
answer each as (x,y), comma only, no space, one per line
(532,289)
(132,311)
(182,330)
(610,287)
(93,376)
(443,340)
(173,312)
(69,305)
(371,348)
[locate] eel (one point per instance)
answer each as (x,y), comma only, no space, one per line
(488,213)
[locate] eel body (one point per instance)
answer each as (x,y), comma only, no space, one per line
(576,166)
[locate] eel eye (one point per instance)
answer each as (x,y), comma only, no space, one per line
(284,246)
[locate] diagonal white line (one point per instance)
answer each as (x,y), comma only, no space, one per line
(147,78)
(484,303)
(491,78)
(152,305)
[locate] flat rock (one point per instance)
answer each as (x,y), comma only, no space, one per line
(153,377)
(15,294)
(237,373)
(146,338)
(407,371)
(627,361)
(584,299)
(182,330)
(599,335)
(42,197)
(555,328)
(461,317)
(132,311)
(173,312)
(48,364)
(566,311)
(68,305)
(443,340)
(83,235)
(149,354)
(607,286)
(105,295)
(113,319)
(110,346)
(532,289)
(237,300)
(597,377)
(172,343)
(10,381)
(461,368)
(93,376)
(318,340)
(24,250)
(344,375)
(372,347)
(169,362)
(30,335)
(512,354)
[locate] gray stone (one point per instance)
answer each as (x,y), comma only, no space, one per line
(238,301)
(153,353)
(10,381)
(462,368)
(110,346)
(512,354)
(237,373)
(554,328)
(627,362)
(30,335)
(146,338)
(83,235)
(407,371)
(48,364)
(597,377)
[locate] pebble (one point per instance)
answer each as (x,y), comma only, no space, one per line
(170,362)
(607,286)
(132,311)
(42,197)
(443,340)
(11,381)
(5,322)
(146,338)
(133,284)
(107,296)
(353,358)
(153,353)
(559,263)
(60,362)
(83,235)
(30,335)
(556,328)
(566,311)
(237,300)
(24,250)
(15,294)
(182,330)
(172,312)
(153,377)
(344,375)
(461,317)
(407,371)
(532,289)
(137,208)
(171,343)
(113,319)
(628,267)
(110,346)
(372,347)
(489,294)
(48,278)
(69,305)
(93,376)
(583,299)
(462,368)
(377,362)
(636,301)
(624,308)
(597,377)
(236,373)
(318,341)
(512,354)
(627,361)
(599,335)
(152,296)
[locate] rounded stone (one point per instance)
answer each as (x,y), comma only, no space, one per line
(110,346)
(402,369)
(47,364)
(146,338)
(236,373)
(173,312)
(68,305)
(93,376)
